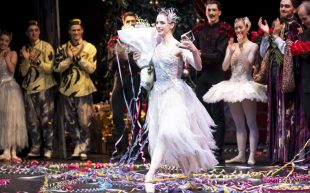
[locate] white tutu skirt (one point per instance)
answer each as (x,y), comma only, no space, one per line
(179,122)
(13,131)
(236,91)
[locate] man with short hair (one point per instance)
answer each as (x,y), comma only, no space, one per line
(126,86)
(284,108)
(39,84)
(212,39)
(75,61)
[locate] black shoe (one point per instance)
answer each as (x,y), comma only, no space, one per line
(74,158)
(220,160)
(218,157)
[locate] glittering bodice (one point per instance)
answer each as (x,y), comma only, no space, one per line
(167,65)
(241,69)
(4,75)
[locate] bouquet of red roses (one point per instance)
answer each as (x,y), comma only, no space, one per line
(256,36)
(299,48)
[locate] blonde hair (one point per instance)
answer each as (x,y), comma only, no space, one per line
(245,20)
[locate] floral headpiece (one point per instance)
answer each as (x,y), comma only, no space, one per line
(170,13)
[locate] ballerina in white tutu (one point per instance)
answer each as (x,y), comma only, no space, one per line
(13,131)
(178,124)
(241,92)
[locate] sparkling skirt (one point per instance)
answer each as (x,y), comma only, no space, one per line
(178,122)
(13,131)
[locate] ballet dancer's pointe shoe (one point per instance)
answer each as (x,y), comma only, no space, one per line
(149,186)
(237,159)
(251,162)
(187,186)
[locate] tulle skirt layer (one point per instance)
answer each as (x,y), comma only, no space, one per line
(13,131)
(236,91)
(178,122)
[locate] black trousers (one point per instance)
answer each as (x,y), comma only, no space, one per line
(216,110)
(119,108)
(307,108)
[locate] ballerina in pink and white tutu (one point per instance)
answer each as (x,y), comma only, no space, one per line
(240,91)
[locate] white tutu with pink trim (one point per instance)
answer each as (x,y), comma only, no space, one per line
(236,91)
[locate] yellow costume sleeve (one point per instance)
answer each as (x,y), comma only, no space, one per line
(24,67)
(47,59)
(88,59)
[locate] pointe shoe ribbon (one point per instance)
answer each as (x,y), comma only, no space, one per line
(237,159)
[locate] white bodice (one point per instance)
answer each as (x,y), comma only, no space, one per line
(4,74)
(167,65)
(241,70)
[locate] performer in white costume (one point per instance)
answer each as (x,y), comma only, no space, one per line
(13,131)
(241,92)
(178,124)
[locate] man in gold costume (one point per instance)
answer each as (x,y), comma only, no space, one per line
(37,60)
(75,61)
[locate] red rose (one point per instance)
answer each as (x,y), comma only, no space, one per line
(300,47)
(260,32)
(254,36)
(270,30)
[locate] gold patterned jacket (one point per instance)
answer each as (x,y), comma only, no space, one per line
(38,77)
(75,80)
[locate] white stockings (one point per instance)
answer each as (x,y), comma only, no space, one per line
(241,112)
(156,159)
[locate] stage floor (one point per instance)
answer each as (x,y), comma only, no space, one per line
(99,174)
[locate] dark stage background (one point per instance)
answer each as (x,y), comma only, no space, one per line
(101,19)
(96,13)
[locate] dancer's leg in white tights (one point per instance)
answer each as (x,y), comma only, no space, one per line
(239,119)
(156,160)
(250,110)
